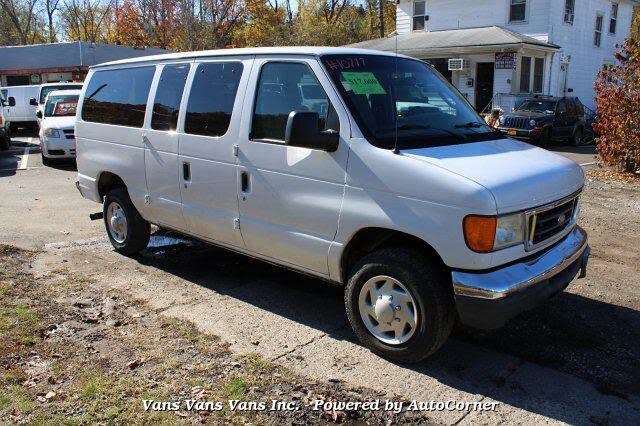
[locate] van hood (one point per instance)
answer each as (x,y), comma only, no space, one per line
(519,175)
(59,122)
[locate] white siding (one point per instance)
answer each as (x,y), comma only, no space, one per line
(577,41)
(404,12)
(454,14)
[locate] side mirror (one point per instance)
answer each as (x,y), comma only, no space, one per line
(302,131)
(39,114)
(33,102)
(12,101)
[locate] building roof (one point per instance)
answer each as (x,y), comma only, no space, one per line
(66,55)
(418,42)
(289,50)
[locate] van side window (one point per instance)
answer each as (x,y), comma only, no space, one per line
(211,99)
(168,97)
(118,96)
(284,87)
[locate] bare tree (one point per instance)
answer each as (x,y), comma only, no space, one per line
(85,19)
(51,7)
(23,17)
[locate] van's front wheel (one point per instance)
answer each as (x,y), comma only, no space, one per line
(128,231)
(399,305)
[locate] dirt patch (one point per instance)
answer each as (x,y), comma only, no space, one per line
(73,352)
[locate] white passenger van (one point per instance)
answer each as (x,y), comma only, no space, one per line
(47,88)
(19,113)
(57,126)
(359,167)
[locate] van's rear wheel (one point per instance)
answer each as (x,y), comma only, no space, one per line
(128,231)
(399,306)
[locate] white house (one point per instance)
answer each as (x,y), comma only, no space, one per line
(498,52)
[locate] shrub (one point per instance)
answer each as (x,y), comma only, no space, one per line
(618,106)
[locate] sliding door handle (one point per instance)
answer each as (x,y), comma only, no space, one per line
(186,173)
(245,182)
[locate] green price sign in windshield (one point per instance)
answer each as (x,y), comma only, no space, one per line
(363,83)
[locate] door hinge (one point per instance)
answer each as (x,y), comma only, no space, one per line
(236,149)
(147,199)
(236,223)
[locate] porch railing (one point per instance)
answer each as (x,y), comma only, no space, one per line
(506,102)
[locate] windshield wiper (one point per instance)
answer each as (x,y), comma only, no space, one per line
(469,125)
(405,127)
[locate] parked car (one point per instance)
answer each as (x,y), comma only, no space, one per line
(19,113)
(57,134)
(5,140)
(545,119)
(406,197)
(47,88)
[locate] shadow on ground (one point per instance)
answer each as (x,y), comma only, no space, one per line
(583,337)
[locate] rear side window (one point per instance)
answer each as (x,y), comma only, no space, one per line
(168,96)
(118,96)
(211,99)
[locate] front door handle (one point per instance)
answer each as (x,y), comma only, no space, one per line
(186,173)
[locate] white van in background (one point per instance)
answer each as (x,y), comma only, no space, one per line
(359,167)
(47,88)
(22,113)
(5,141)
(57,126)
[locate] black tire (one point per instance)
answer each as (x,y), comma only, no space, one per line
(578,135)
(45,161)
(138,229)
(545,138)
(428,286)
(4,143)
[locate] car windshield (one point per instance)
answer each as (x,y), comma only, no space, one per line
(61,106)
(544,106)
(404,102)
(48,89)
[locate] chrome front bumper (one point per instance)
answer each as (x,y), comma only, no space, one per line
(488,299)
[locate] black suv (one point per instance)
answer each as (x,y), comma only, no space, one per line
(544,119)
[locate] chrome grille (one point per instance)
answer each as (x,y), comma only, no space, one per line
(516,122)
(546,223)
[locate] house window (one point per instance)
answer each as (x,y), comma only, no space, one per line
(525,75)
(518,11)
(613,23)
(531,75)
(597,37)
(419,15)
(538,75)
(569,11)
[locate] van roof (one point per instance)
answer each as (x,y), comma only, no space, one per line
(62,83)
(65,92)
(288,50)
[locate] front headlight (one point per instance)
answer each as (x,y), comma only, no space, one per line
(532,123)
(485,234)
(52,133)
(501,119)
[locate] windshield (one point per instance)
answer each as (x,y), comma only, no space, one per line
(61,106)
(544,106)
(48,89)
(398,97)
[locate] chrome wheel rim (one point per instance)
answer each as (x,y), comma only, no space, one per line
(388,310)
(117,222)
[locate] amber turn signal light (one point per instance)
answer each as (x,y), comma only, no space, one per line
(480,232)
